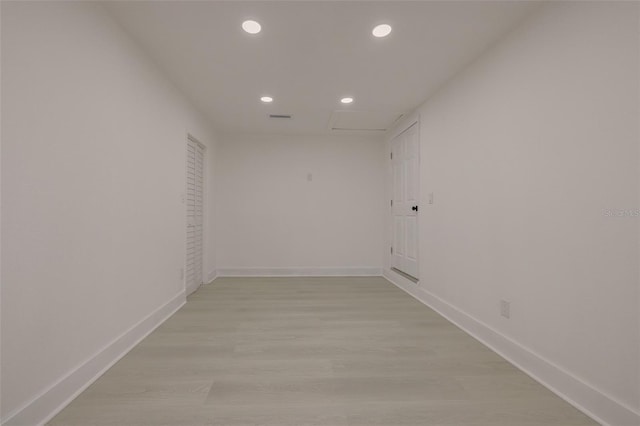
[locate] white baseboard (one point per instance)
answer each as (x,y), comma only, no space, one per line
(212,276)
(595,403)
(300,272)
(52,400)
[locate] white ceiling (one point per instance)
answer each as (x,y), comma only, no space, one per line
(312,53)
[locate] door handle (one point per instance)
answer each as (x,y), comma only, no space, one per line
(414,208)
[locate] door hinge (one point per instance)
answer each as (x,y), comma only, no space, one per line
(391,250)
(391,203)
(392,155)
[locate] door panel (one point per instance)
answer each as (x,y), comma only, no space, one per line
(405,171)
(195,213)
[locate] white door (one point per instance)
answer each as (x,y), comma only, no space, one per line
(404,205)
(194,201)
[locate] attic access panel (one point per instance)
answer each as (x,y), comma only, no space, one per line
(365,121)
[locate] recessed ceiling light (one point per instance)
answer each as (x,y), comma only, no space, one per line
(266,99)
(381,30)
(346,100)
(252,27)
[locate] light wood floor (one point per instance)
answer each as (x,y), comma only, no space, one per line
(313,351)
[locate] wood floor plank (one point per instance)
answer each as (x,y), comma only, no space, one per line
(339,351)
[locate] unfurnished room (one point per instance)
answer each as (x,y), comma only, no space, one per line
(328,213)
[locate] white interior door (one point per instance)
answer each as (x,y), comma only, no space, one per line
(404,205)
(194,202)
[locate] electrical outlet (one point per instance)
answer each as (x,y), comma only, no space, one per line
(505,309)
(431,198)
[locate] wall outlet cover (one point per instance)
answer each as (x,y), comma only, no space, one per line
(505,309)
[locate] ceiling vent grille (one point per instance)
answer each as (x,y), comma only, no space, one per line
(279,115)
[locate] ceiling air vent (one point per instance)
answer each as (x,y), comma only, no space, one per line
(279,115)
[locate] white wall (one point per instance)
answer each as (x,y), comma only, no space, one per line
(93,168)
(272,220)
(524,151)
